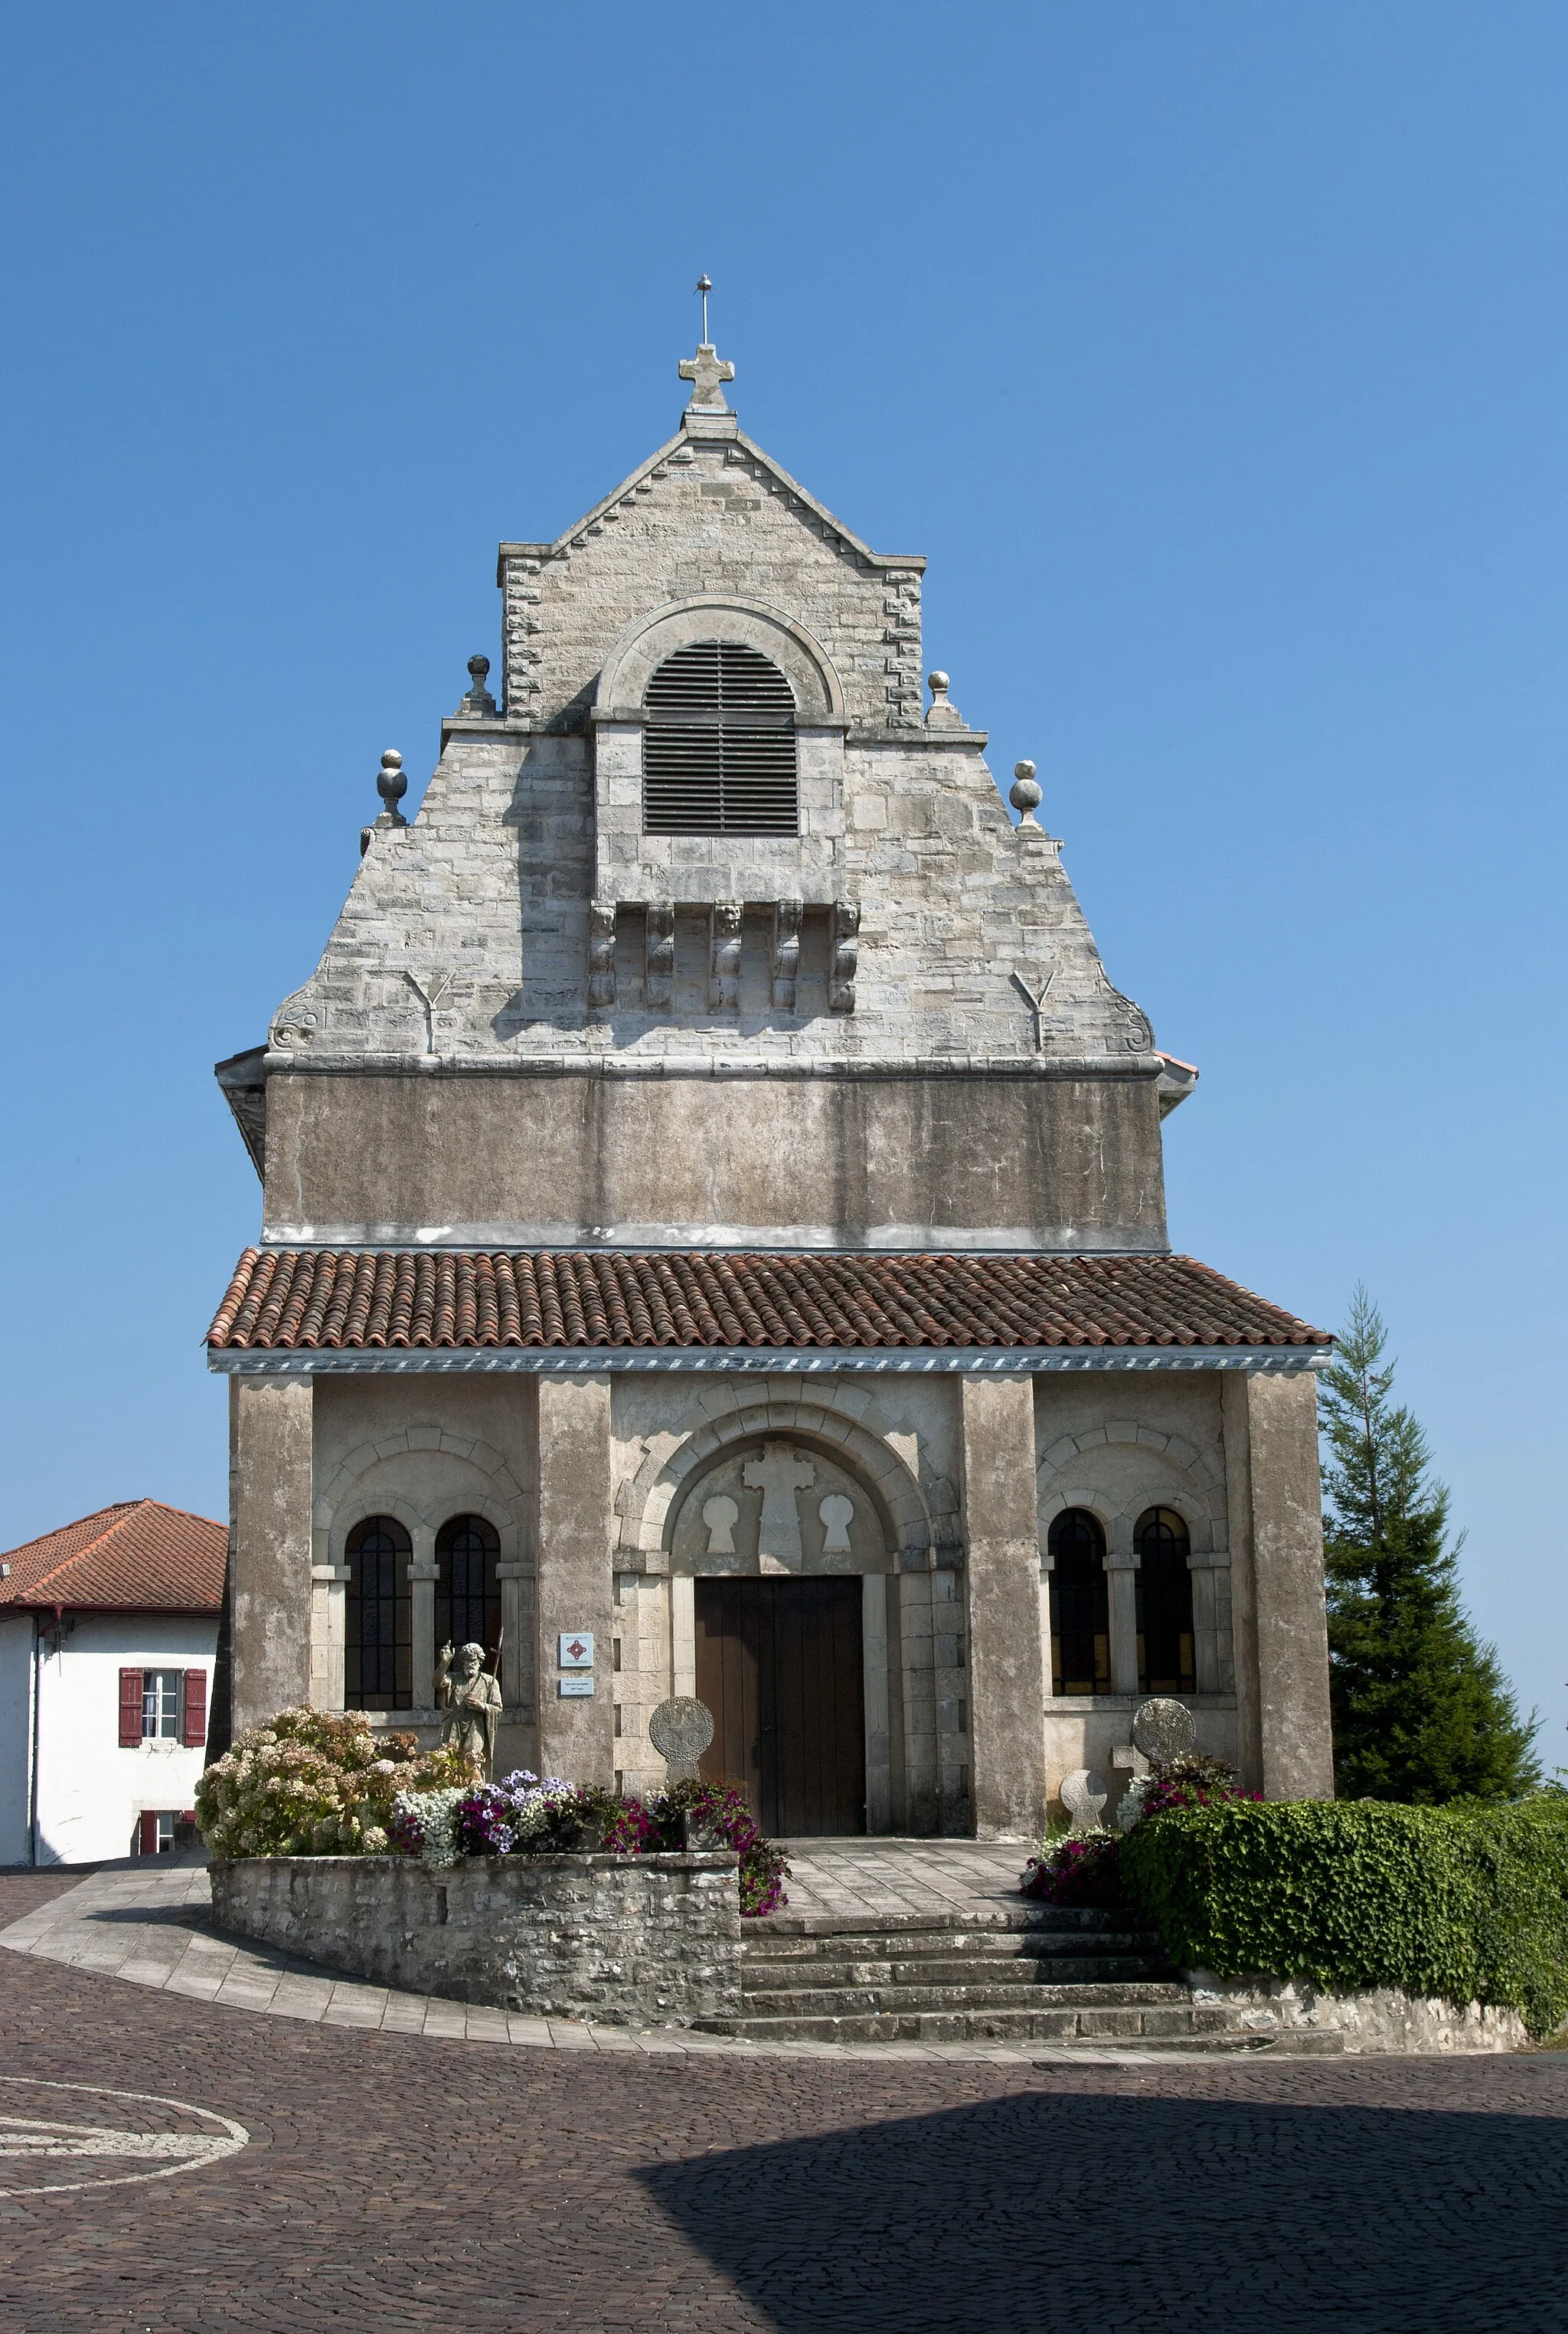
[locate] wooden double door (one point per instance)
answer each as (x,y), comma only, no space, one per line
(779,1665)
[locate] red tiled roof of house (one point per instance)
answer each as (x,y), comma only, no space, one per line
(139,1557)
(296,1299)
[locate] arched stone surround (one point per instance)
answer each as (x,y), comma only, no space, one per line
(1116,1470)
(911,1614)
(399,1474)
(643,647)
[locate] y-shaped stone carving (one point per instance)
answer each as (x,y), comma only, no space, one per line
(778,1474)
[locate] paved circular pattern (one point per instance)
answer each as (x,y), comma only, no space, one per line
(82,2136)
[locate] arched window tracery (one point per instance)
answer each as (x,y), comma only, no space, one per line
(378,1654)
(1165,1634)
(1079,1604)
(467,1591)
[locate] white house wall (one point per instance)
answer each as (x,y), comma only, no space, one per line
(90,1792)
(15,1732)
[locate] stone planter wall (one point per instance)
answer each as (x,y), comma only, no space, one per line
(628,1939)
(1381,2019)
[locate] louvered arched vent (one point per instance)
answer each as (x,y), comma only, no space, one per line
(719,755)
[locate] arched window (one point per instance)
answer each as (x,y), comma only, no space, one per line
(719,753)
(1080,1605)
(1165,1660)
(467,1593)
(378,1665)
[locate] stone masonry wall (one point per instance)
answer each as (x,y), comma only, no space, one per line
(707,516)
(641,1941)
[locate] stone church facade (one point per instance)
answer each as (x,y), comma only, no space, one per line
(713,1234)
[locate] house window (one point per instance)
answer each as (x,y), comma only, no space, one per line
(1080,1605)
(162,1706)
(378,1654)
(1165,1657)
(719,753)
(160,1699)
(467,1592)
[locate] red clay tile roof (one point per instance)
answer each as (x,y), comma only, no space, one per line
(140,1557)
(300,1299)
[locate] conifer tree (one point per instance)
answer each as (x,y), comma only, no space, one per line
(1422,1711)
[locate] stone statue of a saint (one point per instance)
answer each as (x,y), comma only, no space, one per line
(472,1701)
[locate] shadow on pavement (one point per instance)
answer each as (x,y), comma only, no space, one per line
(1058,2212)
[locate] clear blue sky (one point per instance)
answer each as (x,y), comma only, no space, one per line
(1215,355)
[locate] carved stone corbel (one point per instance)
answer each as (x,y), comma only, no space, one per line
(659,962)
(601,952)
(846,956)
(724,958)
(786,954)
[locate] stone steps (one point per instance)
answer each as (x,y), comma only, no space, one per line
(1067,1963)
(1069,1976)
(1147,2028)
(975,1991)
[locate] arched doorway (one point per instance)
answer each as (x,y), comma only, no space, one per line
(781,1664)
(785,1551)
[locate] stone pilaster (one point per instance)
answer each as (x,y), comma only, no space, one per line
(271,1580)
(1282,1666)
(328,1585)
(576,1535)
(423,1574)
(1006,1699)
(1121,1568)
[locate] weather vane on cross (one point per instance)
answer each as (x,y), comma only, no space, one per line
(704,370)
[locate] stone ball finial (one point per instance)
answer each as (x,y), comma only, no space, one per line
(1026,796)
(942,714)
(478,666)
(392,784)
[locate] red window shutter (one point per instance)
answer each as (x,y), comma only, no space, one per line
(130,1710)
(194,1730)
(149,1833)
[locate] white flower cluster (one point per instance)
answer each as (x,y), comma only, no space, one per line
(435,1815)
(532,1810)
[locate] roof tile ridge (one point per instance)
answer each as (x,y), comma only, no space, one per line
(68,1563)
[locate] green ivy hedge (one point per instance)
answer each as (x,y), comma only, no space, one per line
(1469,1902)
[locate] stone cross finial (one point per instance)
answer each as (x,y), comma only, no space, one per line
(704,371)
(478,698)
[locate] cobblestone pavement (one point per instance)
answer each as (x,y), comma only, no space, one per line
(397,2182)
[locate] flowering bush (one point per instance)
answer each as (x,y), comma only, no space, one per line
(1085,1869)
(721,1807)
(316,1782)
(1079,1869)
(1194,1782)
